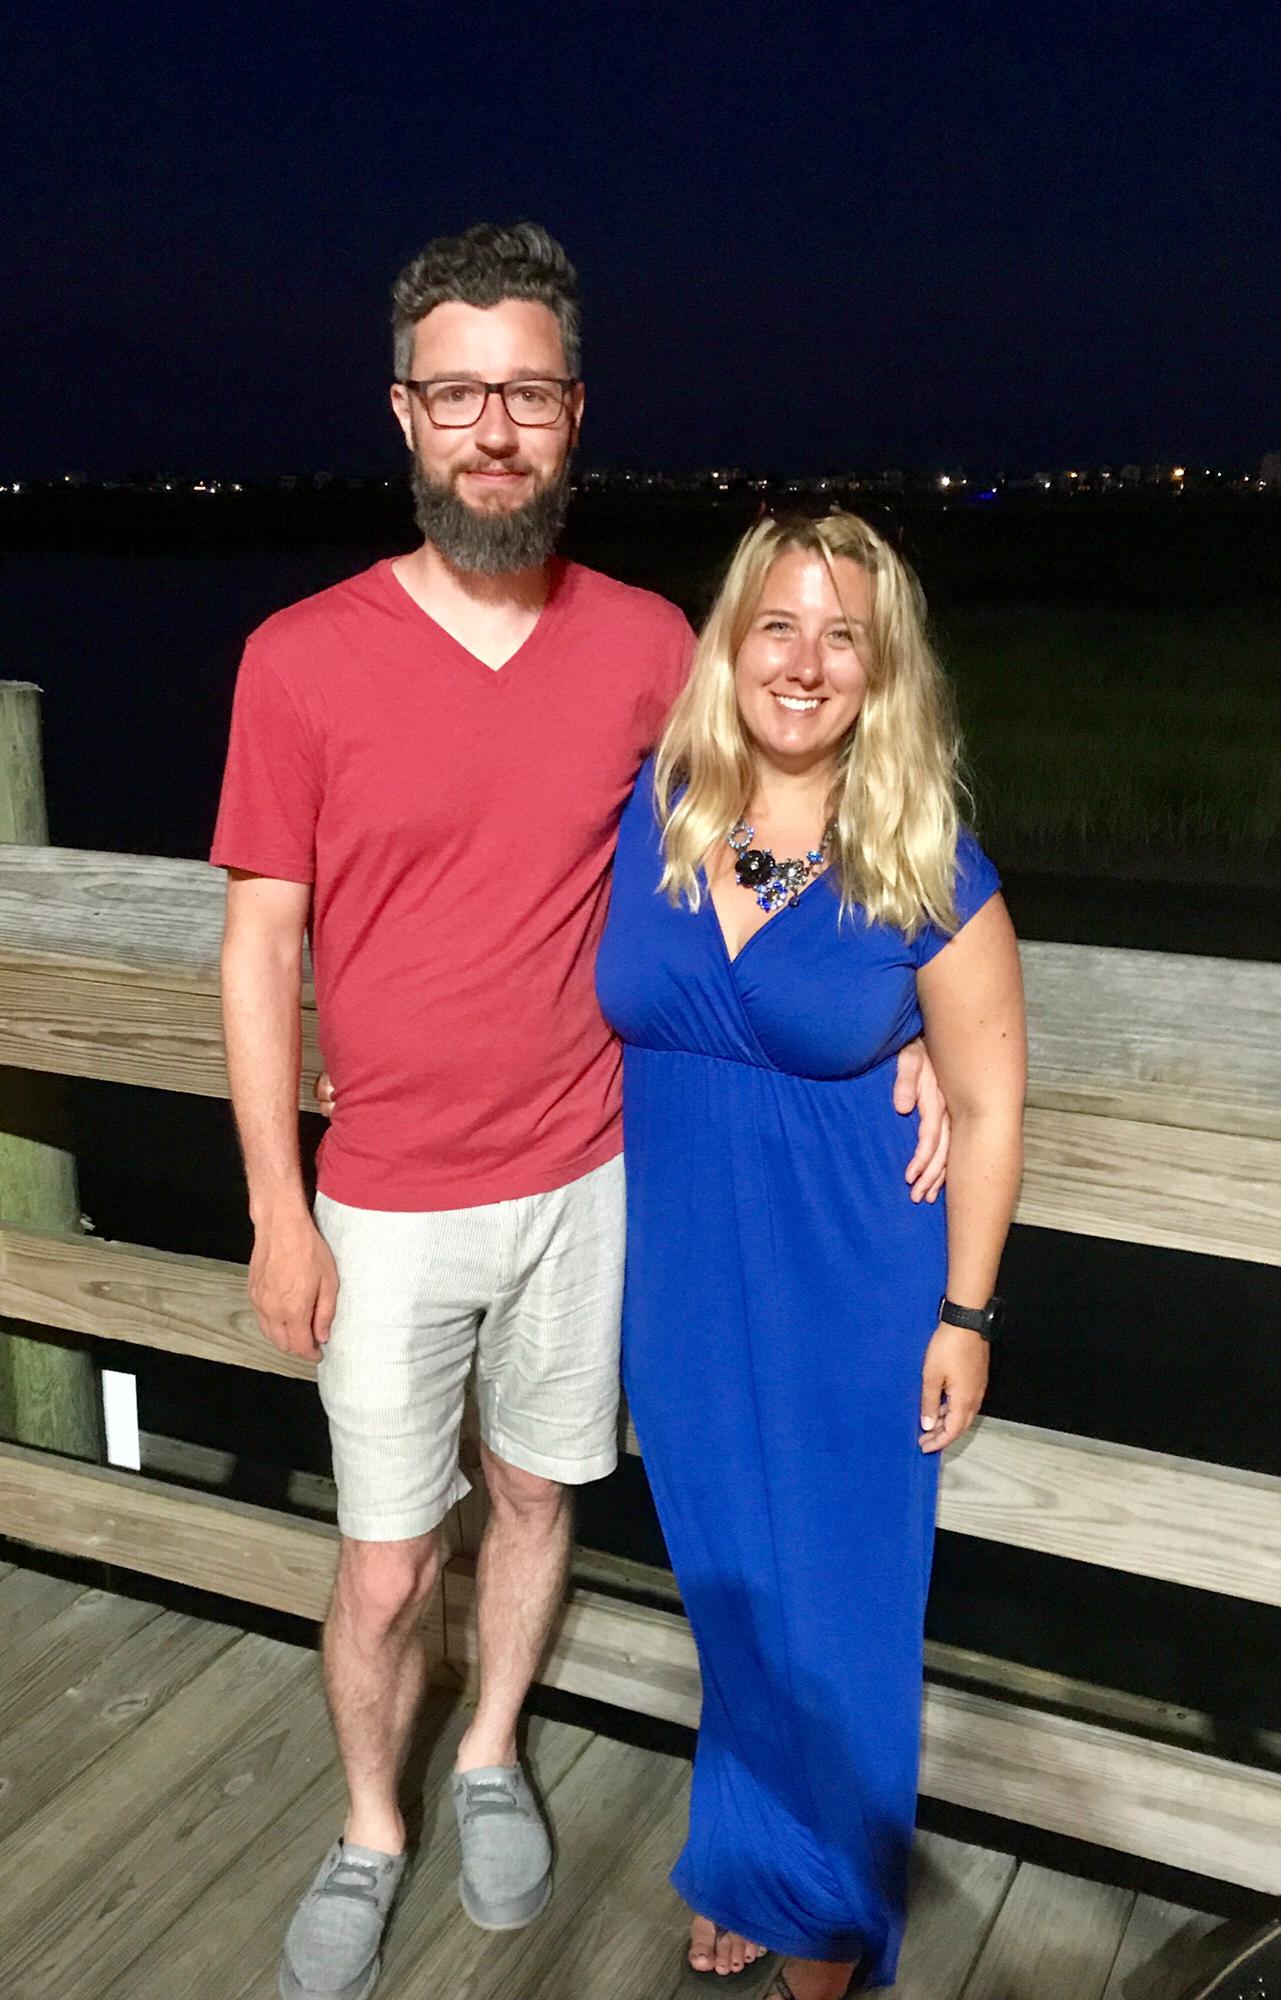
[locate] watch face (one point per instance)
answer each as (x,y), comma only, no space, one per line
(993,1315)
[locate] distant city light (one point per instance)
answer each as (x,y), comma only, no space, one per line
(944,480)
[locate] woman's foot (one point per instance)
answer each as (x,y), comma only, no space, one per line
(713,1950)
(812,1979)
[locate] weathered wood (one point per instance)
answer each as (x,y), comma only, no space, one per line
(48,1389)
(1174,1805)
(1121,1033)
(1054,1933)
(1214,1192)
(1148,1512)
(1164,1801)
(153,1298)
(147,1789)
(1163,1037)
(955,1895)
(86,1705)
(212,1543)
(232,1792)
(1166,1947)
(52,1626)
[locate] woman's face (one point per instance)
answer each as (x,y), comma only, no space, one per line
(802,668)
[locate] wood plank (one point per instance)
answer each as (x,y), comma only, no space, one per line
(147,1877)
(1174,1805)
(90,1704)
(1218,1193)
(123,1027)
(1148,1512)
(250,1553)
(55,1629)
(631,1939)
(1117,1032)
(606,1804)
(1056,1938)
(140,1781)
(1163,1037)
(1167,1947)
(955,1895)
(228,1944)
(151,1298)
(1165,1801)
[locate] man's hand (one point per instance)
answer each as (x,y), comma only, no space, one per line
(293,1283)
(953,1384)
(324,1093)
(916,1087)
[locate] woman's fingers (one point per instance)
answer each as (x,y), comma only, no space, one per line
(928,1170)
(324,1093)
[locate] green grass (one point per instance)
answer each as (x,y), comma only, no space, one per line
(1090,728)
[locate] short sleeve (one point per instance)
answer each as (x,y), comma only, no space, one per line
(271,786)
(976,882)
(674,666)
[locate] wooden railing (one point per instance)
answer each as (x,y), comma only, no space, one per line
(1154,1117)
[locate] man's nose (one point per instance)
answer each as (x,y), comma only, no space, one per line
(495,431)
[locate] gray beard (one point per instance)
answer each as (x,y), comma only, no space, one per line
(490,544)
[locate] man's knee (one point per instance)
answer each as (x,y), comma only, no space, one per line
(383,1582)
(524,1494)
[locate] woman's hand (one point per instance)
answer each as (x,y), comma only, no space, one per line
(324,1093)
(916,1088)
(953,1384)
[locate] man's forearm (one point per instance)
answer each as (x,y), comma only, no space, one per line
(261,999)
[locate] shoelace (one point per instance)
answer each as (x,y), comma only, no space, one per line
(501,1799)
(358,1891)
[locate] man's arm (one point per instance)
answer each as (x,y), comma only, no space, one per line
(292,1279)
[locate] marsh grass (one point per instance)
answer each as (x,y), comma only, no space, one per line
(1098,729)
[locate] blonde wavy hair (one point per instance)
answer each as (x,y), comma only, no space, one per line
(894,796)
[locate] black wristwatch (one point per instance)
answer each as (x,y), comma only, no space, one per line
(979,1319)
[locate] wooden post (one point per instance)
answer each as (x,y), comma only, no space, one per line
(48,1386)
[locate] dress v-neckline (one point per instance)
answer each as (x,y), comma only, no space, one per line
(732,957)
(531,643)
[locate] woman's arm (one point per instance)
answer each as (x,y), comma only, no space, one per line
(971,997)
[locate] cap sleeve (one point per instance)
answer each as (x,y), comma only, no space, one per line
(976,881)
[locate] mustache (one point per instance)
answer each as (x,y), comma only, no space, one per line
(494,465)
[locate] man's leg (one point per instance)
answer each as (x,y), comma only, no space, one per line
(520,1585)
(375,1667)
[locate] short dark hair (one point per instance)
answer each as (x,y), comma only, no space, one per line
(483,266)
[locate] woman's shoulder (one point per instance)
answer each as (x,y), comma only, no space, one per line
(975,882)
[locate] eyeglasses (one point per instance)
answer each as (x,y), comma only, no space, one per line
(455,402)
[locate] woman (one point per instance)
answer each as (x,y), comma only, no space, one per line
(792,899)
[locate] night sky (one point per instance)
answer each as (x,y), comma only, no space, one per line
(977,235)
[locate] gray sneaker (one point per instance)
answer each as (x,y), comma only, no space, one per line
(506,1875)
(332,1945)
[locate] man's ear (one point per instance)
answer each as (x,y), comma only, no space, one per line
(403,411)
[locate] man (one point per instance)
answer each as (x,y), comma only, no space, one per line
(427,764)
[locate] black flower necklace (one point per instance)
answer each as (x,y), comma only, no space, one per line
(775,884)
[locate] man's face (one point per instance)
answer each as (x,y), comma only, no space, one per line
(491,496)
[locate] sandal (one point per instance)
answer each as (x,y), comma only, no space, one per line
(781,1988)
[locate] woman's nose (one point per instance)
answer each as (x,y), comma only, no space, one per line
(807,665)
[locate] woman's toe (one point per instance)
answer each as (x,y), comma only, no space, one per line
(702,1944)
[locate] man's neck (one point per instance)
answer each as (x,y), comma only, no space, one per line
(491,616)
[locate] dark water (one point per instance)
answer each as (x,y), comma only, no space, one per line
(137,656)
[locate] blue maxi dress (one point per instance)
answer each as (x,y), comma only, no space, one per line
(781,1290)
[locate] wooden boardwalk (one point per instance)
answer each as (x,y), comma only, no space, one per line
(169,1785)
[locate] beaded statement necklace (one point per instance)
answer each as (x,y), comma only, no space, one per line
(775,884)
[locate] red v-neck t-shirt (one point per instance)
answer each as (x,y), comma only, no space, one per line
(458,823)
